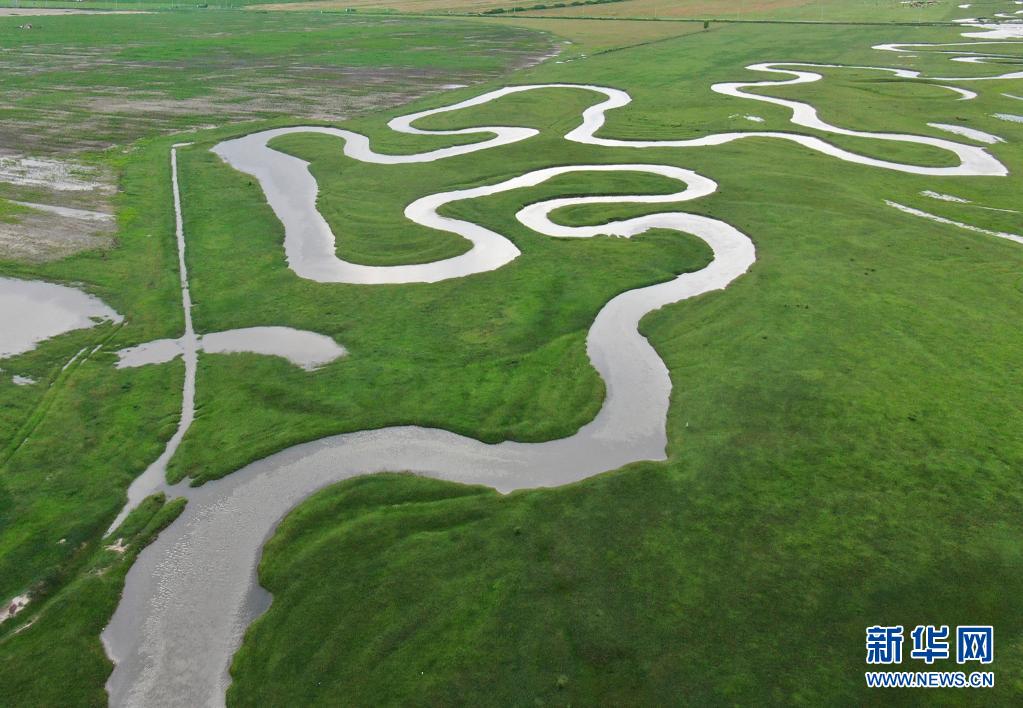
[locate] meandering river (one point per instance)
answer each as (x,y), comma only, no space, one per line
(191,594)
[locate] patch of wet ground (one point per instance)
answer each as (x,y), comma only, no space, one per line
(47,88)
(63,207)
(54,109)
(40,236)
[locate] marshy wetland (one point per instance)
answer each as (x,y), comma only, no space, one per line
(661,372)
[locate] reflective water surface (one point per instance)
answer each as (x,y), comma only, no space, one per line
(192,593)
(32,311)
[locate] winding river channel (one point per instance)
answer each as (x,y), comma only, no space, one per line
(191,594)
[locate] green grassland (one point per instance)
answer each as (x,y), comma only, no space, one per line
(367,235)
(516,336)
(511,345)
(752,10)
(93,81)
(71,443)
(843,433)
(844,444)
(11,212)
(57,660)
(779,10)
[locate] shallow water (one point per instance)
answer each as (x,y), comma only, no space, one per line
(158,351)
(81,214)
(971,133)
(32,311)
(308,350)
(1017,238)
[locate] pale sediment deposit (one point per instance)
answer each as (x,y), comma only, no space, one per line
(13,607)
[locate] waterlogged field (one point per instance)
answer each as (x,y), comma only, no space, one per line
(843,432)
(92,81)
(79,89)
(71,441)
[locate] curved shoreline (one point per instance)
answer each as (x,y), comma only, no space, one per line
(169,651)
(32,311)
(310,244)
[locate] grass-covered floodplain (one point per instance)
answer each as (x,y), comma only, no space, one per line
(742,10)
(71,442)
(844,435)
(55,659)
(92,81)
(781,10)
(500,335)
(844,428)
(516,336)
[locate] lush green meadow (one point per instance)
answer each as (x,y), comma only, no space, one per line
(844,429)
(57,659)
(844,435)
(783,10)
(510,343)
(751,10)
(742,10)
(71,443)
(95,81)
(493,356)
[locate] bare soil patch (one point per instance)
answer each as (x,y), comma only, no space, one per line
(63,208)
(45,236)
(60,99)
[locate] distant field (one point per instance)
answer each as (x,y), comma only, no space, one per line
(828,10)
(808,10)
(687,8)
(791,10)
(588,36)
(87,82)
(411,6)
